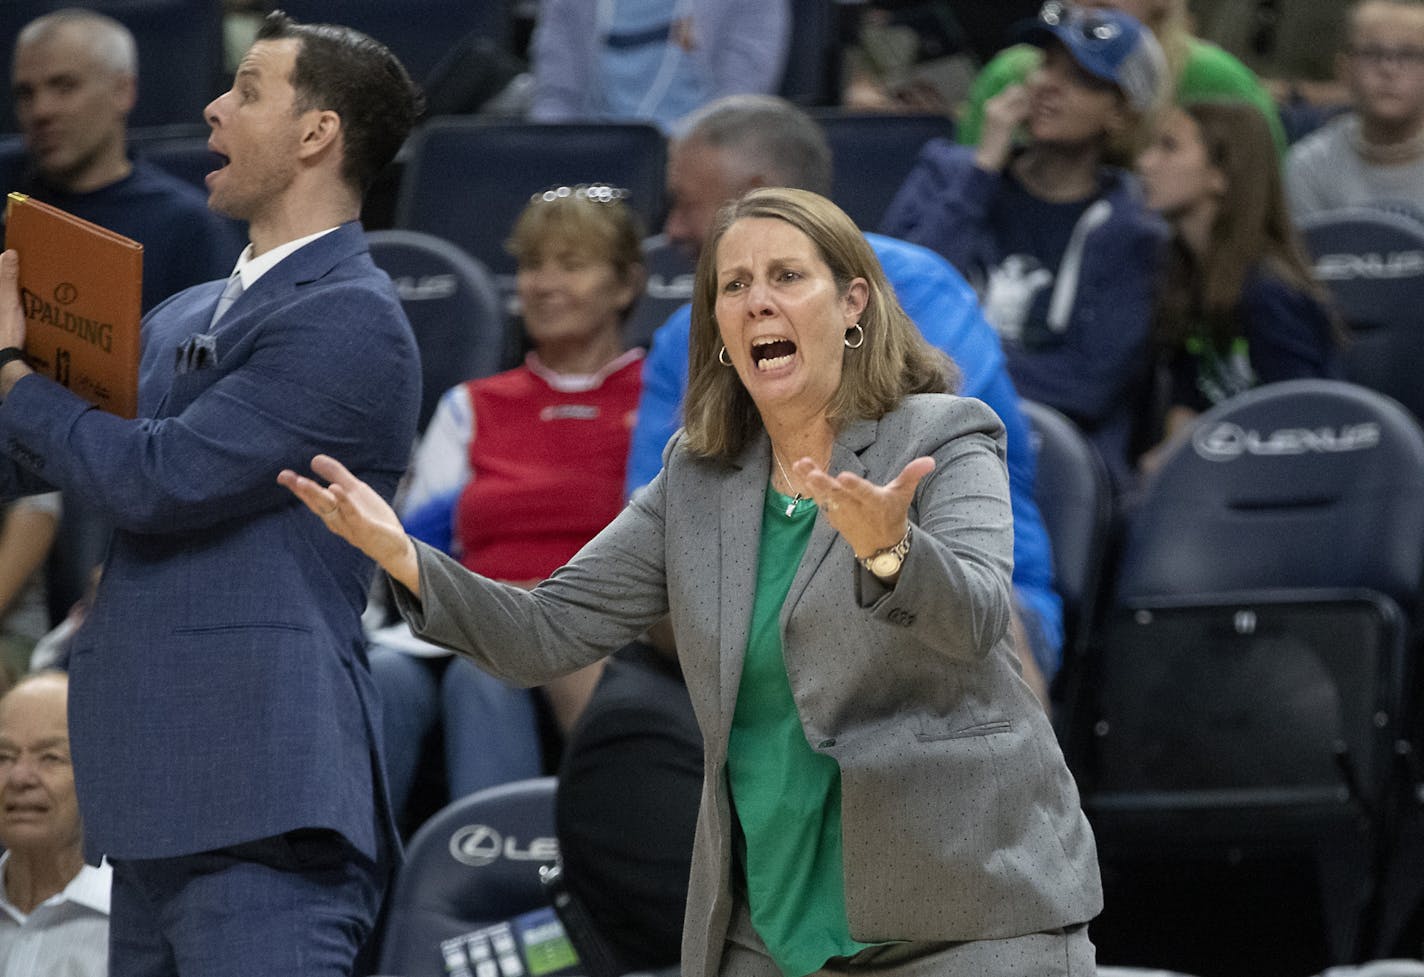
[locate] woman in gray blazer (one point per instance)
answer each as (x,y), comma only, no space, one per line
(831,536)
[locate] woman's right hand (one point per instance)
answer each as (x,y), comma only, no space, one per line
(1003,115)
(356,512)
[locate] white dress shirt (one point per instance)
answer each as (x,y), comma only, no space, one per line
(67,935)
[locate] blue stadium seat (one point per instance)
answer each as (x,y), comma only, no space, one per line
(453,308)
(1250,679)
(467,180)
(179,52)
(1372,261)
(872,155)
(419,32)
(474,863)
(181,150)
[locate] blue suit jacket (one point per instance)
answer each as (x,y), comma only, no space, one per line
(219,691)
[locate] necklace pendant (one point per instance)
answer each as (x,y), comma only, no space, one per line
(791,506)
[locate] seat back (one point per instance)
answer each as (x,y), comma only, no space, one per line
(1072,491)
(812,73)
(474,863)
(873,154)
(669,288)
(1295,485)
(181,150)
(453,308)
(1372,261)
(418,32)
(179,52)
(467,180)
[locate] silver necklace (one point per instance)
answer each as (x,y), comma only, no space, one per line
(791,506)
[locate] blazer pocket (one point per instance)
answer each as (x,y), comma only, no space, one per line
(930,732)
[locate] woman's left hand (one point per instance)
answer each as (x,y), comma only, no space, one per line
(871,517)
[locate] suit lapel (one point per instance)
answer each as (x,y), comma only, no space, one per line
(845,457)
(742,495)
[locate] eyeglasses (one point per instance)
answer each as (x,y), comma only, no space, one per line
(1379,56)
(1091,27)
(599,193)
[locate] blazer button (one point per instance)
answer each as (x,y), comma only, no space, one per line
(826,744)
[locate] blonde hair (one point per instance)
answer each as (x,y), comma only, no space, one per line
(893,361)
(592,223)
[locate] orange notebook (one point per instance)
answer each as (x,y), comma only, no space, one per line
(81,287)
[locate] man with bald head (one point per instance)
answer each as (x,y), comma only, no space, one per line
(54,909)
(74,81)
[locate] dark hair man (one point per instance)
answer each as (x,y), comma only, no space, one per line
(222,711)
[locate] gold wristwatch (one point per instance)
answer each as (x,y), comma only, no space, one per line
(886,562)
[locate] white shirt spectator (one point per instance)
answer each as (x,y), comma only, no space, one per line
(67,935)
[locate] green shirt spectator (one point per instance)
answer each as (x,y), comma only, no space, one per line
(1207,73)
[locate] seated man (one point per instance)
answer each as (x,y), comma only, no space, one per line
(54,909)
(746,141)
(1374,155)
(74,83)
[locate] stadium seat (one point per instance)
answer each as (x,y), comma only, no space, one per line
(181,150)
(1372,261)
(179,52)
(419,32)
(1249,680)
(1074,497)
(670,275)
(812,74)
(467,180)
(476,862)
(453,308)
(872,155)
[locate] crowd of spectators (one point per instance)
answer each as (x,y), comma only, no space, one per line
(1109,227)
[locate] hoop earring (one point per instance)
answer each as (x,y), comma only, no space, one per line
(723,358)
(859,342)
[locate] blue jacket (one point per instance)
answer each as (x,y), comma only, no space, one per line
(219,691)
(1095,365)
(942,304)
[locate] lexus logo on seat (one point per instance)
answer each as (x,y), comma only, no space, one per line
(1227,442)
(478,845)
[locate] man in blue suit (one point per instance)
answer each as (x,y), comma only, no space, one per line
(222,715)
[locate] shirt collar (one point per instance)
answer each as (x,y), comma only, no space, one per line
(90,889)
(251,269)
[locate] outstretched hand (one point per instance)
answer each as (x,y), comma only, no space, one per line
(356,512)
(871,517)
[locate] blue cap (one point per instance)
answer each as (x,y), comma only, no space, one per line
(1107,44)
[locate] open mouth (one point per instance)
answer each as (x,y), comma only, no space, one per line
(772,352)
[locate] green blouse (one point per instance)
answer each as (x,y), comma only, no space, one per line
(786,796)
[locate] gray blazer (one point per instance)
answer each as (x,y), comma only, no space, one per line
(960,819)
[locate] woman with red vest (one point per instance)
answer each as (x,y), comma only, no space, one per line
(515,473)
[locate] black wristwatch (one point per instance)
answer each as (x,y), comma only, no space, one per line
(10,354)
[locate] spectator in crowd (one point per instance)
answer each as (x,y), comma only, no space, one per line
(1239,306)
(75,76)
(1196,69)
(516,472)
(881,788)
(742,142)
(1373,155)
(54,909)
(1059,244)
(26,535)
(653,60)
(223,713)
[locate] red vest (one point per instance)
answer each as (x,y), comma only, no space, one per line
(548,470)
